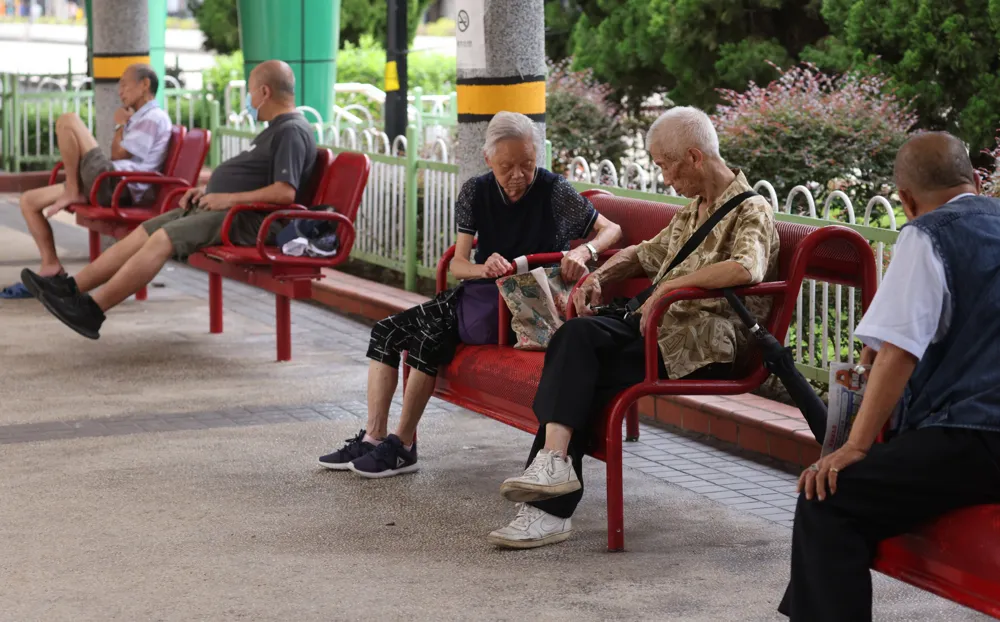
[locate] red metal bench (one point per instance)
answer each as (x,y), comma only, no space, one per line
(336,180)
(500,382)
(185,157)
(956,557)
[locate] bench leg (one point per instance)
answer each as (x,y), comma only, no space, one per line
(283,320)
(632,423)
(142,294)
(214,303)
(616,500)
(94,241)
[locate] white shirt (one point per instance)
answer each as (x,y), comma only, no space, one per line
(912,308)
(146,136)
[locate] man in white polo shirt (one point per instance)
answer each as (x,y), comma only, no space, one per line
(935,326)
(140,143)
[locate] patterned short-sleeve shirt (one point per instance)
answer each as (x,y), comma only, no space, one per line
(697,333)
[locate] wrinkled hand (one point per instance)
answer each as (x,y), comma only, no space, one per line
(647,307)
(216,201)
(586,296)
(496,266)
(867,356)
(193,195)
(815,481)
(122,115)
(574,264)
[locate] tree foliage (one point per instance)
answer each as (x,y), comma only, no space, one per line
(942,53)
(840,133)
(218,20)
(689,48)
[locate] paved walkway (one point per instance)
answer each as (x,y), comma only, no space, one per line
(162,473)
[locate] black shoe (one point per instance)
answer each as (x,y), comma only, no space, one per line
(61,285)
(389,458)
(341,459)
(79,312)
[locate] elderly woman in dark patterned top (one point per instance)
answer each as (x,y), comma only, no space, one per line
(516,209)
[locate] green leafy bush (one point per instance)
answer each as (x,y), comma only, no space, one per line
(579,119)
(838,133)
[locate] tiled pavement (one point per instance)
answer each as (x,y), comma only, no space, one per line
(704,466)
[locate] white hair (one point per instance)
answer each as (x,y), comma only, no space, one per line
(508,125)
(681,128)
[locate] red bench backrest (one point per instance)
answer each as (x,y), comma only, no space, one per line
(344,183)
(322,164)
(185,157)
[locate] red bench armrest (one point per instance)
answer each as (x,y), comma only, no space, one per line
(54,175)
(252,207)
(345,229)
(652,321)
(127,177)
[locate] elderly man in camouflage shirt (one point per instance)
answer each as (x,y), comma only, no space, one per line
(592,358)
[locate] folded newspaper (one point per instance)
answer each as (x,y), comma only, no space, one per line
(847,387)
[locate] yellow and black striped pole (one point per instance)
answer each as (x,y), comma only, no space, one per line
(510,77)
(120,39)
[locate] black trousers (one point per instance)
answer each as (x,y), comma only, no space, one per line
(587,363)
(910,480)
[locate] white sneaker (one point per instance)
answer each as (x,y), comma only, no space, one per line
(532,528)
(549,475)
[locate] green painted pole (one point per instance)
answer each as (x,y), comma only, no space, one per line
(89,15)
(410,241)
(305,34)
(157,43)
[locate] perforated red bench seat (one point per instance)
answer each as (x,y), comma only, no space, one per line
(956,557)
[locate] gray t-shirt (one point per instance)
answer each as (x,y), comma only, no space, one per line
(284,151)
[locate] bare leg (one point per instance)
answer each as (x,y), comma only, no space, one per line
(137,272)
(557,437)
(33,204)
(100,271)
(74,141)
(382,381)
(419,390)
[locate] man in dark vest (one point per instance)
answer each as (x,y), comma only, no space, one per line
(935,327)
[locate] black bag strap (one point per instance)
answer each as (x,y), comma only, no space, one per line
(692,243)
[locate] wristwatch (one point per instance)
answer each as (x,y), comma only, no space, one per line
(119,126)
(593,251)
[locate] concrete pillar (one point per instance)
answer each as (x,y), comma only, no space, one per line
(121,38)
(510,77)
(157,43)
(304,34)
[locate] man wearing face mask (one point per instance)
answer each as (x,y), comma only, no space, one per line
(272,170)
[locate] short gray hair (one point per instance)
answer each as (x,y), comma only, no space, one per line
(684,127)
(508,125)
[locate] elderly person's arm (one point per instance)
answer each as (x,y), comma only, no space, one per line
(746,266)
(463,269)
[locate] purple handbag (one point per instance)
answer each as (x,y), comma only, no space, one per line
(479,312)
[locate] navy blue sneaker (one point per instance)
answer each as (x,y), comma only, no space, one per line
(389,458)
(341,459)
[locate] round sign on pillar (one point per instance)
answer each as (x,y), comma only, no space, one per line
(470,34)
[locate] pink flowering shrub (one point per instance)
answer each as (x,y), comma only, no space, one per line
(991,176)
(828,133)
(581,118)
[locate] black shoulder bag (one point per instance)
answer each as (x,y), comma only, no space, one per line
(626,310)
